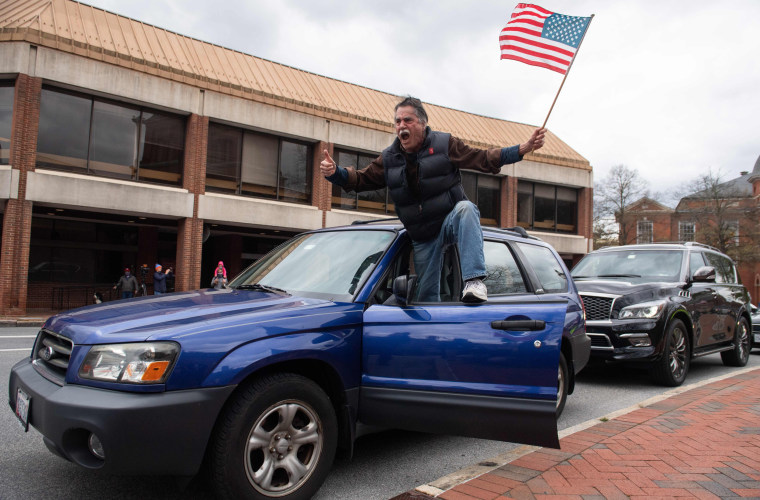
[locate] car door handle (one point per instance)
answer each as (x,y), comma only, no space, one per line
(522,325)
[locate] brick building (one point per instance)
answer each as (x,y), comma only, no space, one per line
(725,215)
(123,145)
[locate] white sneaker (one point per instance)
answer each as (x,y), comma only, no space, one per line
(474,291)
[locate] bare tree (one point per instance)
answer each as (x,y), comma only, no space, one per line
(621,187)
(725,215)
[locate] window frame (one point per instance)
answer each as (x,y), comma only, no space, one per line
(641,234)
(138,141)
(682,231)
(529,195)
(278,195)
(496,222)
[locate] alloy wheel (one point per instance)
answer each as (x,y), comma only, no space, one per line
(283,448)
(677,353)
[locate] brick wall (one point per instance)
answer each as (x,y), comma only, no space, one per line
(190,230)
(17,219)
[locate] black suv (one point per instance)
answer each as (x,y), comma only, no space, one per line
(664,304)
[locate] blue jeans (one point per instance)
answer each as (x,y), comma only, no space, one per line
(462,227)
(127,295)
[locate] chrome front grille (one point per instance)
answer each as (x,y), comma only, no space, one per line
(52,354)
(598,308)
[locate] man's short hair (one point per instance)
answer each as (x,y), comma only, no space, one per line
(417,105)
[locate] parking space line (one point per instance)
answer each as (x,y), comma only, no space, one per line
(12,350)
(17,336)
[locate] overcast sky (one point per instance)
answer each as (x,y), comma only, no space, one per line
(670,88)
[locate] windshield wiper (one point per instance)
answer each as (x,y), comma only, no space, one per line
(265,288)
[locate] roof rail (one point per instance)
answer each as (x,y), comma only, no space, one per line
(514,231)
(370,221)
(685,243)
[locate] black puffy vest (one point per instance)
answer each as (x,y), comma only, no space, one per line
(439,182)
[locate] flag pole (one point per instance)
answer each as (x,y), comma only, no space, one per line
(568,70)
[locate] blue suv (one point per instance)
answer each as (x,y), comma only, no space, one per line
(266,380)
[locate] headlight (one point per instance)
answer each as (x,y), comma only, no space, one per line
(143,363)
(645,310)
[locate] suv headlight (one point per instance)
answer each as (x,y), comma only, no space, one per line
(143,363)
(645,310)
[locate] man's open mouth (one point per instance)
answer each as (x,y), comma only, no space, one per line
(404,134)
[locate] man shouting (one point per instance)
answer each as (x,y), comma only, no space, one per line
(422,172)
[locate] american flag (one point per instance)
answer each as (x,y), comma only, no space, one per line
(539,37)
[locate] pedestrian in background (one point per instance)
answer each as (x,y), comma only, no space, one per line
(220,276)
(159,279)
(127,284)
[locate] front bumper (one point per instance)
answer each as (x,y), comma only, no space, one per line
(614,340)
(142,433)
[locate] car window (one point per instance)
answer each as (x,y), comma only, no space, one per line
(331,265)
(724,268)
(631,264)
(546,266)
(695,262)
(502,274)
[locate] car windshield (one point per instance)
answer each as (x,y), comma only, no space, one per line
(631,265)
(332,265)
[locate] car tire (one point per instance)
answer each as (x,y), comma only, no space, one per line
(275,439)
(673,365)
(563,384)
(739,355)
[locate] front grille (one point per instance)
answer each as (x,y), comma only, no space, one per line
(52,353)
(597,308)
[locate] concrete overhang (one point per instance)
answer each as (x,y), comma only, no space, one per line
(564,243)
(8,182)
(84,192)
(240,210)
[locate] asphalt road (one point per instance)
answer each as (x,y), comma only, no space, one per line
(384,464)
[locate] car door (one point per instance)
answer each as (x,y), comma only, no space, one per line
(487,370)
(702,304)
(722,318)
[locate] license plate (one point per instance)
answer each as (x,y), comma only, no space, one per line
(757,338)
(22,408)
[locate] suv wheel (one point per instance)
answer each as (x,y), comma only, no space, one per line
(673,365)
(276,439)
(563,383)
(739,355)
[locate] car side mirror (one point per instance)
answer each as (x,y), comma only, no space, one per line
(705,274)
(403,287)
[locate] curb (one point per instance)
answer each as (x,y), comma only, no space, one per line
(15,322)
(445,483)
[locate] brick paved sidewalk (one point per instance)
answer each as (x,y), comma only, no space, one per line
(703,443)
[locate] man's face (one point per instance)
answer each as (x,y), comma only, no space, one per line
(409,129)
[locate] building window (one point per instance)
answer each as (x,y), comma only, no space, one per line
(485,192)
(93,136)
(369,201)
(242,162)
(732,231)
(545,207)
(644,231)
(6,119)
(686,231)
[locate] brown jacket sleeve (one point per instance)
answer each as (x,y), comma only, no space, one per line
(369,178)
(461,155)
(468,158)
